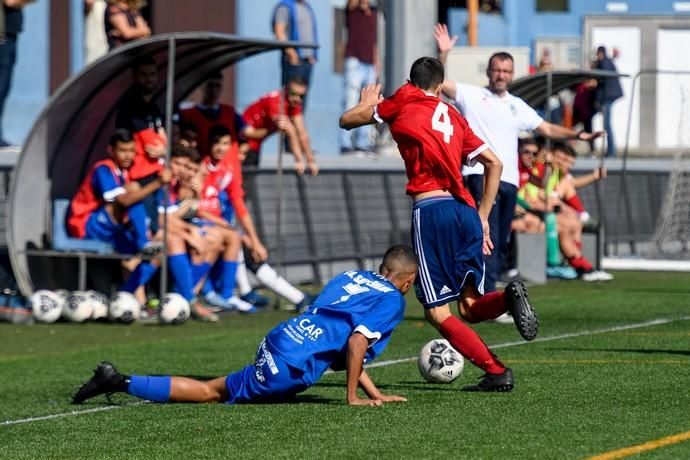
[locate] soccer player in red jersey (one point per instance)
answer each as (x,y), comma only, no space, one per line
(449,234)
(266,116)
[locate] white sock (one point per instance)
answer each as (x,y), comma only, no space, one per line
(242,278)
(276,283)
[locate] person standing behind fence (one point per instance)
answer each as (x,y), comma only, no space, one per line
(13,24)
(294,20)
(124,22)
(608,91)
(361,68)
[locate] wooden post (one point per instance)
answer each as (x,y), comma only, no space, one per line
(472,13)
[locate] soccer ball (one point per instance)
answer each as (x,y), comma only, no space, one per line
(46,306)
(124,308)
(174,309)
(78,307)
(439,362)
(100,305)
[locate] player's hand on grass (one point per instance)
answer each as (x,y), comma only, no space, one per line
(444,42)
(488,245)
(364,402)
(371,95)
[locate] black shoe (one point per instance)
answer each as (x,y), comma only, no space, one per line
(106,379)
(494,382)
(518,305)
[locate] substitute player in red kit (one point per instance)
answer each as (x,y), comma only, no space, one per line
(449,233)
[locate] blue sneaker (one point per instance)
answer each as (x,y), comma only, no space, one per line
(256,299)
(216,301)
(561,272)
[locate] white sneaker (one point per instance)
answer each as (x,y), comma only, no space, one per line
(240,305)
(596,275)
(505,318)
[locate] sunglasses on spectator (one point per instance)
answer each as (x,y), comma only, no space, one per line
(531,152)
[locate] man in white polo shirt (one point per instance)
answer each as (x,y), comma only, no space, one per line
(497,117)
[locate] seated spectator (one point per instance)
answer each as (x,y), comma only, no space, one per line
(124,22)
(281,110)
(527,219)
(139,113)
(221,233)
(108,206)
(211,112)
(184,241)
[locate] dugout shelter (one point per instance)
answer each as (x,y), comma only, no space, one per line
(72,131)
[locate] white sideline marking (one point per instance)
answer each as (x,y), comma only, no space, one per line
(621,263)
(623,327)
(68,414)
(391,362)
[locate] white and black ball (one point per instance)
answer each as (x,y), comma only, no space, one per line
(439,362)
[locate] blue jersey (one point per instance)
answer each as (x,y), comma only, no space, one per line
(107,183)
(354,301)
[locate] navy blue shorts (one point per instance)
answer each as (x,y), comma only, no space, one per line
(268,379)
(447,237)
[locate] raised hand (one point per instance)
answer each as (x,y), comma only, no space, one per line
(444,42)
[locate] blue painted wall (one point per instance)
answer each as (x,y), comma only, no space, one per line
(258,75)
(29,90)
(520,24)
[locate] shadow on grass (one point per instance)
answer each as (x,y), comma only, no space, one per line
(416,385)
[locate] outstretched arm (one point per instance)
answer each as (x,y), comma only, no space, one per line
(363,113)
(554,131)
(357,346)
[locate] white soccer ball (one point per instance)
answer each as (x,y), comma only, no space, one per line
(99,302)
(124,308)
(439,362)
(46,306)
(174,309)
(78,307)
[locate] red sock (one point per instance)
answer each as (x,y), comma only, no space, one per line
(580,264)
(470,345)
(488,306)
(575,203)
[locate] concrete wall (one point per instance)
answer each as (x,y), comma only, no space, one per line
(29,90)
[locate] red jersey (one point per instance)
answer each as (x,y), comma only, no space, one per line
(260,114)
(228,118)
(103,183)
(143,165)
(200,118)
(433,139)
(220,178)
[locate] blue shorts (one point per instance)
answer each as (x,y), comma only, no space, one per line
(100,226)
(447,237)
(268,379)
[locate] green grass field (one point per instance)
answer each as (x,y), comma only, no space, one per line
(610,370)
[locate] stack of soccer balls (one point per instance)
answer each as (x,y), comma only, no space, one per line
(439,362)
(80,306)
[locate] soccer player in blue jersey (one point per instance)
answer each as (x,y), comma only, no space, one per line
(350,323)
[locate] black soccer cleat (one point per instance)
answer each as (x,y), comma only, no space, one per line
(494,382)
(106,380)
(525,317)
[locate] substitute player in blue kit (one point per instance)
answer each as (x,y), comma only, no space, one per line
(350,323)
